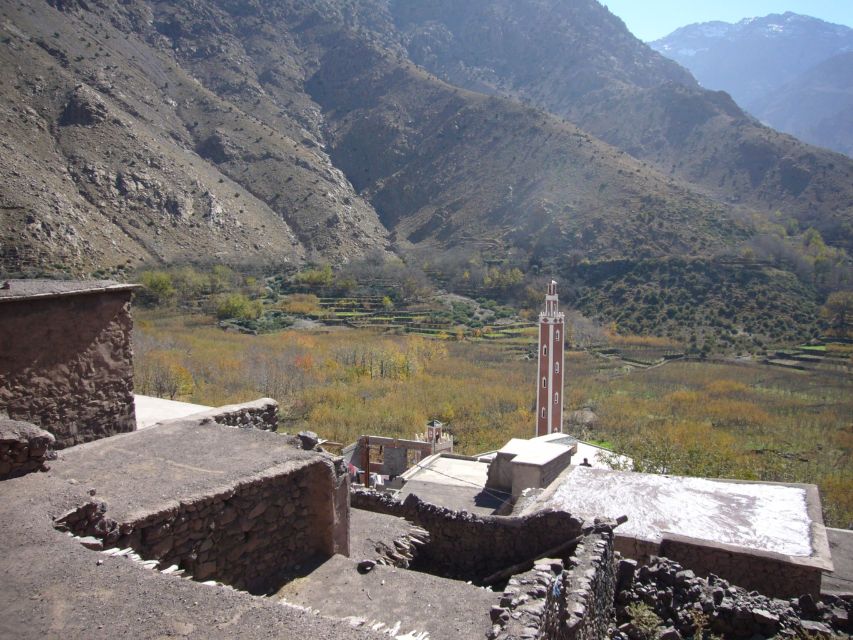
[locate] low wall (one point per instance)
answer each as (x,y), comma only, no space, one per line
(250,537)
(259,414)
(66,364)
(763,572)
(23,448)
(580,606)
(569,599)
(471,547)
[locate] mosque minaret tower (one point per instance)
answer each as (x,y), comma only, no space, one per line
(549,382)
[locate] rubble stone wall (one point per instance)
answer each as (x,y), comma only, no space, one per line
(259,414)
(762,573)
(581,605)
(561,598)
(23,448)
(250,537)
(472,547)
(66,365)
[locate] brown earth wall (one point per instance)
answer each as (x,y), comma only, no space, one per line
(66,365)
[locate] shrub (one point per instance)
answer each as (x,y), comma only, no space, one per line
(238,307)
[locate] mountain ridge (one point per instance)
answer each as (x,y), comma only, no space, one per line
(769,64)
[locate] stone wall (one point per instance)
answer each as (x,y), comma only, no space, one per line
(251,537)
(66,364)
(580,605)
(559,599)
(24,448)
(471,547)
(259,414)
(763,572)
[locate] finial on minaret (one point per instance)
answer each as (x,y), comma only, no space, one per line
(549,379)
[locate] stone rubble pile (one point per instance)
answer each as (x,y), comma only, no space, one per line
(24,448)
(678,597)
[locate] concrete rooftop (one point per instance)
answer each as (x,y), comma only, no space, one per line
(454,482)
(536,451)
(150,411)
(766,517)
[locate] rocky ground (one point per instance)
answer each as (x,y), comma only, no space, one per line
(665,599)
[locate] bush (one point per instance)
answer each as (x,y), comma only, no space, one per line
(157,288)
(236,306)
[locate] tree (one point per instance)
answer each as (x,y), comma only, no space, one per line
(157,287)
(838,311)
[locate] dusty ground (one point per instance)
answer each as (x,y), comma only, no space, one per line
(398,598)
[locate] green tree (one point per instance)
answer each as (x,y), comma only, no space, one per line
(158,288)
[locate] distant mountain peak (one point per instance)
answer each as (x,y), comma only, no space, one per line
(760,61)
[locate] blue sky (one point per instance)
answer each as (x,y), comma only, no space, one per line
(653,19)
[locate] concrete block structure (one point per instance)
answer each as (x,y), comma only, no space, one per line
(66,360)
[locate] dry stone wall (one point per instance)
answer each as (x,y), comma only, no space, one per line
(24,448)
(580,606)
(251,537)
(752,570)
(561,600)
(259,414)
(471,547)
(66,364)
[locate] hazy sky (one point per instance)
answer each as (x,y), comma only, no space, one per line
(653,19)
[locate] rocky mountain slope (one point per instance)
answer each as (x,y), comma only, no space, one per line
(629,97)
(279,131)
(788,70)
(816,106)
(118,152)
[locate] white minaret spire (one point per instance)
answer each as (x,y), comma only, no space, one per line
(549,379)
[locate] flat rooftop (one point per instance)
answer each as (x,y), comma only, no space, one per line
(151,411)
(454,482)
(43,288)
(52,586)
(759,516)
(537,451)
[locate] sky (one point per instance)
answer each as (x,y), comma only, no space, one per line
(653,19)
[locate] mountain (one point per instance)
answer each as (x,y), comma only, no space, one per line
(769,65)
(614,87)
(816,106)
(281,131)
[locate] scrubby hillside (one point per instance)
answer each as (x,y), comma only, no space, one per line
(274,132)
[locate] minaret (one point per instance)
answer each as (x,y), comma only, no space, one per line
(549,382)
